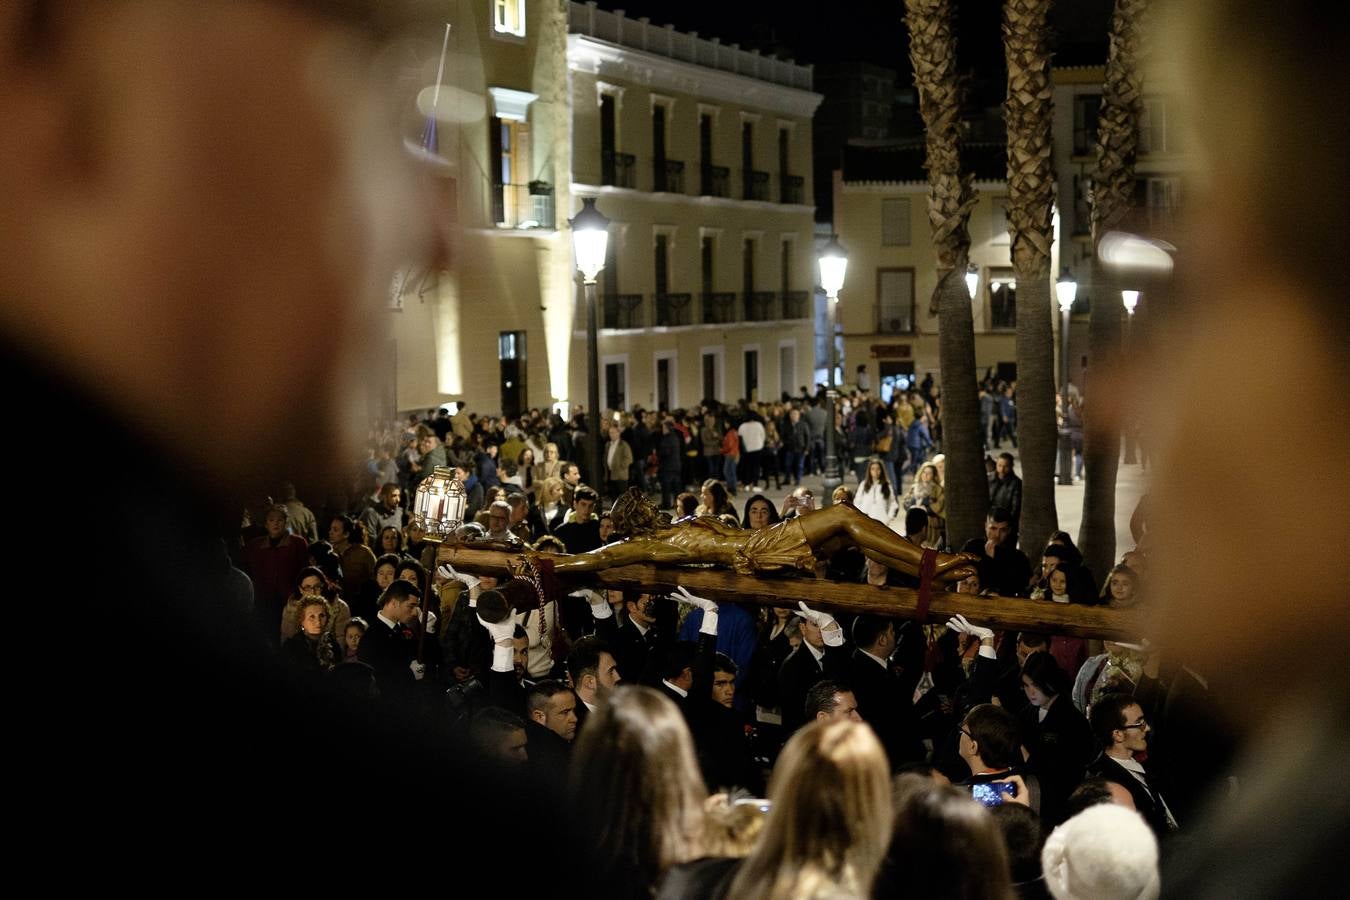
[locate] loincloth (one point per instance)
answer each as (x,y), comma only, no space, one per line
(777,547)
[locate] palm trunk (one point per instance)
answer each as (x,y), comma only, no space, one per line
(1111,197)
(932,51)
(1031,187)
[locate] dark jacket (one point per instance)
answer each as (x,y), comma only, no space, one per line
(1061,748)
(799,674)
(1147,800)
(887,704)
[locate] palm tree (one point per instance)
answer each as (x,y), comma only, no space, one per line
(1111,198)
(1029,109)
(951,195)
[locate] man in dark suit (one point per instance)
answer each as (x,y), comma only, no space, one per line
(1119,726)
(551,725)
(820,655)
(388,646)
(593,672)
(883,701)
(642,642)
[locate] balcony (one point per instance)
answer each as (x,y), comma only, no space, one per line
(755,184)
(622,311)
(523,206)
(719,308)
(791,188)
(796,304)
(673,310)
(761,306)
(668,176)
(616,169)
(715,181)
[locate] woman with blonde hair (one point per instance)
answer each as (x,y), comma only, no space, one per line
(637,792)
(829,820)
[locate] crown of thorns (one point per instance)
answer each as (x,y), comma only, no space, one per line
(634,513)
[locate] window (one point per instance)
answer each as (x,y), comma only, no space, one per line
(752,375)
(1160,199)
(1086,109)
(1157,134)
(511,202)
(895,301)
(508,17)
(1002,299)
(895,222)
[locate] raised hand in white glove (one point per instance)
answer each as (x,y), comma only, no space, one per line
(600,608)
(709,624)
(830,630)
(418,669)
(959,623)
(682,594)
(500,631)
(447,572)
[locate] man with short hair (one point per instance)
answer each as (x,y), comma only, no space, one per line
(1122,732)
(550,726)
(499,523)
(820,655)
(386,512)
(430,455)
(642,641)
(571,479)
(525,522)
(831,700)
(1009,569)
(815,423)
(300,516)
(752,436)
(580,532)
(1006,493)
(796,445)
(274,561)
(594,674)
(388,645)
(500,736)
(883,701)
(989,744)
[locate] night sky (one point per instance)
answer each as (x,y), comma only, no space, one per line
(872,31)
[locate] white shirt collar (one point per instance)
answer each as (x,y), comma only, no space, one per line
(879,661)
(388,621)
(642,631)
(675,687)
(818,654)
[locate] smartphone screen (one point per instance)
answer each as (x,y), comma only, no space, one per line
(992,794)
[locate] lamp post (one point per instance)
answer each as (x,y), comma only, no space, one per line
(833,264)
(1065,291)
(1131,300)
(590,236)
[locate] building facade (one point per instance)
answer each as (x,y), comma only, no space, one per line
(699,152)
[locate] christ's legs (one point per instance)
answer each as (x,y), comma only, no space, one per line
(879,543)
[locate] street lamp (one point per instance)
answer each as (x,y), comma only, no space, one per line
(833,264)
(590,237)
(1066,289)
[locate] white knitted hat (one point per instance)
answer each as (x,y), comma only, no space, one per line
(1106,852)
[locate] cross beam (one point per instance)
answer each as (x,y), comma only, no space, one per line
(719,584)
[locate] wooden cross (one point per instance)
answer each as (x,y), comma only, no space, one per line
(719,584)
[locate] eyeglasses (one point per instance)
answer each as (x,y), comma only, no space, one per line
(1142,723)
(967,733)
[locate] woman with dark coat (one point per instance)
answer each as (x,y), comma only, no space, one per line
(313,649)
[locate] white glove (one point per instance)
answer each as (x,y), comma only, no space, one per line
(959,623)
(500,631)
(447,573)
(600,608)
(830,630)
(418,669)
(709,625)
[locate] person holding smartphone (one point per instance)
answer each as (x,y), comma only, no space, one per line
(990,746)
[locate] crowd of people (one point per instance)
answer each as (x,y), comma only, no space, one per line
(196,247)
(696,732)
